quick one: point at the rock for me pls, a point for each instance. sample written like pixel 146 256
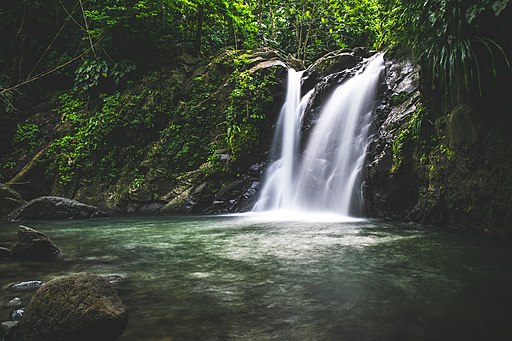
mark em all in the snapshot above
pixel 233 197
pixel 460 127
pixel 5 252
pixel 34 245
pixel 55 208
pixel 9 200
pixel 15 301
pixel 132 208
pixel 27 286
pixel 332 62
pixel 392 195
pixel 78 307
pixel 151 208
pixel 9 331
pixel 114 279
pixel 362 52
pixel 16 314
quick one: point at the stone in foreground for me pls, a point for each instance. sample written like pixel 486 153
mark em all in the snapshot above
pixel 77 307
pixel 55 208
pixel 34 245
pixel 9 330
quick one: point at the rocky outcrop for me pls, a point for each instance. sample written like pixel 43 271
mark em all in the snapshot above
pixel 160 182
pixel 332 63
pixel 208 142
pixel 431 164
pixel 34 245
pixel 9 200
pixel 55 208
pixel 391 192
pixel 325 75
pixel 79 307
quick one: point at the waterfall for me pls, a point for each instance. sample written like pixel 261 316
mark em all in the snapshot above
pixel 326 176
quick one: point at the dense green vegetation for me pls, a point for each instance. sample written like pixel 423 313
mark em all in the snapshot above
pixel 97 63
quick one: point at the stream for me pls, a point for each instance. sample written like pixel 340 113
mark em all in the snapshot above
pixel 247 278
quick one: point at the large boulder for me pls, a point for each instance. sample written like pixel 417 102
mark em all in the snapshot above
pixel 34 245
pixel 55 208
pixel 79 307
pixel 9 200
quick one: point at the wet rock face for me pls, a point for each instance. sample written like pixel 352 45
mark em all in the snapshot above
pixel 387 194
pixel 34 245
pixel 77 307
pixel 436 163
pixel 55 208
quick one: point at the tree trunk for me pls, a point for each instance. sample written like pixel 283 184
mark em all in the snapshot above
pixel 199 30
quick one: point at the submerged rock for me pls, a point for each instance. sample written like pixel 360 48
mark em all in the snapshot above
pixel 55 208
pixel 9 331
pixel 78 307
pixel 15 301
pixel 5 252
pixel 17 314
pixel 26 286
pixel 34 245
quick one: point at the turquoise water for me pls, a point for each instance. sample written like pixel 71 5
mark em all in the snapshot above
pixel 234 278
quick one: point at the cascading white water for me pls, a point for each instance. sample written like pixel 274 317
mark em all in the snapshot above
pixel 278 187
pixel 325 178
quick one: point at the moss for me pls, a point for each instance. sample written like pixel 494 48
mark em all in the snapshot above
pixel 400 98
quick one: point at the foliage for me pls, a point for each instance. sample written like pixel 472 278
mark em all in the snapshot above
pixel 118 122
pixel 94 73
pixel 27 134
pixel 448 38
pixel 246 112
pixel 411 132
pixel 71 109
pixel 309 29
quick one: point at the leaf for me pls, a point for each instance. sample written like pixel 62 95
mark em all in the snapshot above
pixel 499 6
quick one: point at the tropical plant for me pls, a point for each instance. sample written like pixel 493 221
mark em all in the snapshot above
pixel 448 39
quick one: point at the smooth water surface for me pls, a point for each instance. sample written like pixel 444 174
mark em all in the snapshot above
pixel 241 278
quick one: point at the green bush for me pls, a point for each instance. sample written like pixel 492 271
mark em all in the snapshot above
pixel 27 134
pixel 450 40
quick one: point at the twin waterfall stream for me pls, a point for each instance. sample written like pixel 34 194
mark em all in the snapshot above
pixel 326 176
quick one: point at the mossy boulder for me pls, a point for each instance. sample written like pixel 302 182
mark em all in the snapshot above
pixel 34 245
pixel 78 307
pixel 55 208
pixel 460 126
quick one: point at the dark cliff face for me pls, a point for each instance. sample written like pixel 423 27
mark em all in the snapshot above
pixel 392 193
pixel 437 166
